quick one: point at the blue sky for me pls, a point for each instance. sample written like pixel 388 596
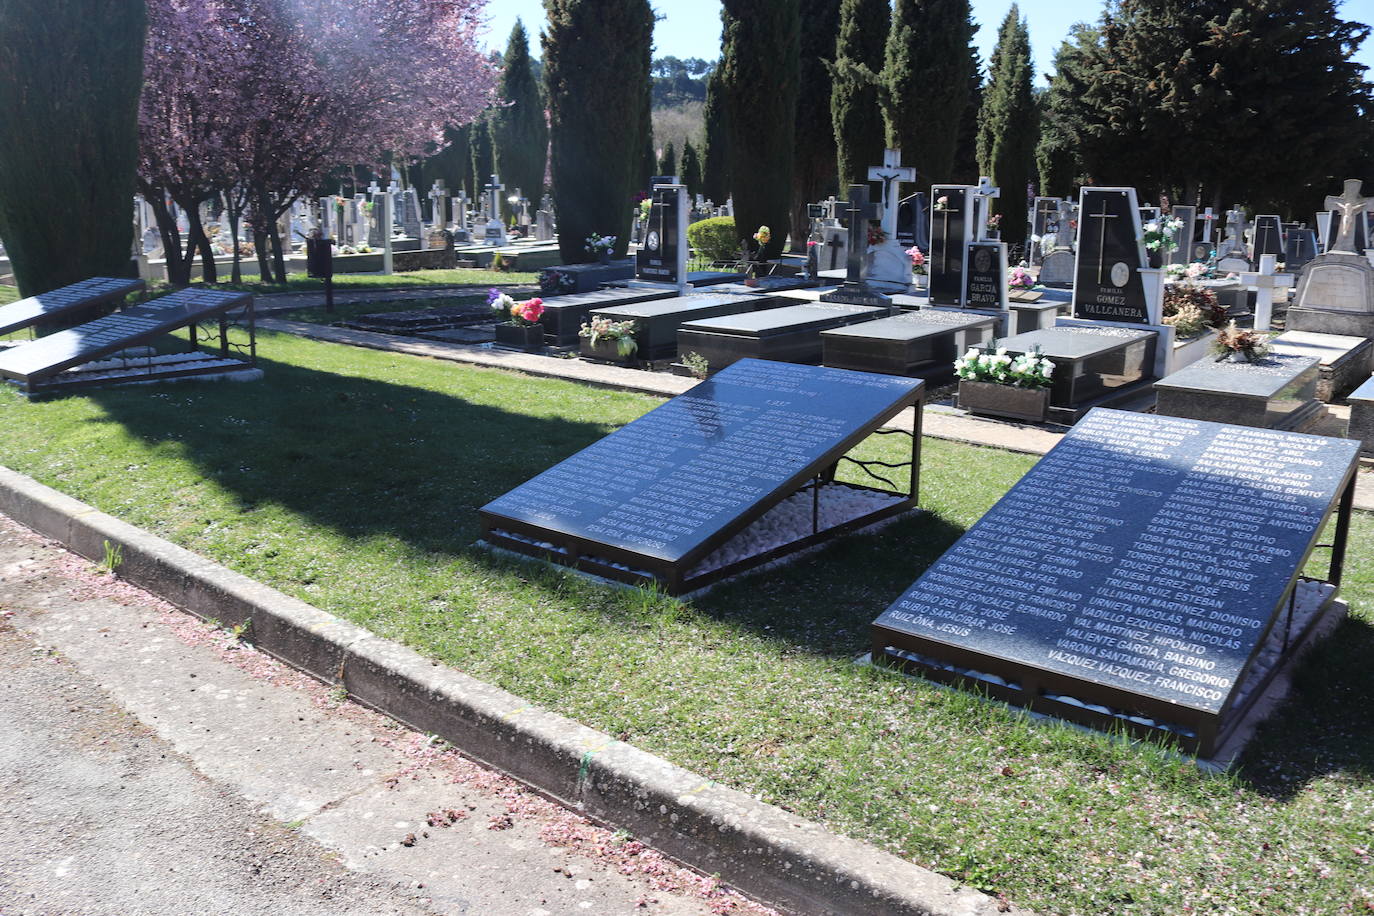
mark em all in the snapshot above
pixel 692 27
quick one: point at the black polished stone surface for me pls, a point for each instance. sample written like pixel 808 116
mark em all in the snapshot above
pixel 1089 361
pixel 948 243
pixel 672 485
pixel 1107 283
pixel 564 315
pixel 1144 555
pixel 789 334
pixel 1276 391
pixel 65 302
pixel 987 276
pixel 1268 237
pixel 923 343
pixel 104 336
pixel 658 320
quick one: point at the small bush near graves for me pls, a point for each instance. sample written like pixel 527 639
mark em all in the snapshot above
pixel 1180 295
pixel 714 239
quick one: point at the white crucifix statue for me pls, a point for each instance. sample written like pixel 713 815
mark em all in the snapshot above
pixel 982 206
pixel 438 196
pixel 494 189
pixel 1351 207
pixel 891 173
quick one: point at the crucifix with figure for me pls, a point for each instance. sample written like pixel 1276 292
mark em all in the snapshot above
pixel 891 173
pixel 1351 206
pixel 438 196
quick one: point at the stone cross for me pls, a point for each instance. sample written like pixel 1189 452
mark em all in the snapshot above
pixel 982 196
pixel 438 195
pixel 374 188
pixel 1063 236
pixel 1207 218
pixel 494 189
pixel 1265 282
pixel 891 173
pixel 1351 206
pixel 859 212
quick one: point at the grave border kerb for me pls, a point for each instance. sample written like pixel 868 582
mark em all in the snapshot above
pixel 763 850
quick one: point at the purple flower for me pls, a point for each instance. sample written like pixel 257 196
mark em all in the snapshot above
pixel 492 295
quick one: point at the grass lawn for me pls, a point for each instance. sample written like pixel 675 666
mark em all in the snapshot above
pixel 8 294
pixel 350 478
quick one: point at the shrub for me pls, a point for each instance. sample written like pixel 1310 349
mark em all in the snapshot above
pixel 714 239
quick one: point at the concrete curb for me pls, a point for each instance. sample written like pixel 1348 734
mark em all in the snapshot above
pixel 759 848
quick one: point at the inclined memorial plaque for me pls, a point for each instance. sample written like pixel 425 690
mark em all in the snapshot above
pixel 1134 572
pixel 659 495
pixel 1107 283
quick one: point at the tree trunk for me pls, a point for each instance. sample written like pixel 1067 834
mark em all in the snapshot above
pixel 197 240
pixel 178 264
pixel 278 260
pixel 235 217
pixel 260 249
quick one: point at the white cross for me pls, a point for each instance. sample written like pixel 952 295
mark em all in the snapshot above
pixel 891 173
pixel 1207 217
pixel 1265 282
pixel 981 205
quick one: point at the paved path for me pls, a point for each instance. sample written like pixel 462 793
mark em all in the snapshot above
pixel 151 764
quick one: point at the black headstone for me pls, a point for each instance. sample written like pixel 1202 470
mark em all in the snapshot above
pixel 948 243
pixel 913 221
pixel 1139 565
pixel 664 491
pixel 987 276
pixel 657 260
pixel 1300 248
pixel 1268 236
pixel 1107 282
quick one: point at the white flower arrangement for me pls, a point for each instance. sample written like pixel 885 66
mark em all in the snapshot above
pixel 1159 234
pixel 1027 370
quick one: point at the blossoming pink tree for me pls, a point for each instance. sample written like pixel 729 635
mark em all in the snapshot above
pixel 259 99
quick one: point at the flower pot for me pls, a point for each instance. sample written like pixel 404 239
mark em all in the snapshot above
pixel 993 400
pixel 993 234
pixel 921 281
pixel 604 350
pixel 1156 257
pixel 603 256
pixel 519 337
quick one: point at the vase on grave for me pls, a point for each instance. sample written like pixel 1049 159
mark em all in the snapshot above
pixel 993 235
pixel 520 337
pixel 603 256
pixel 921 281
pixel 995 400
pixel 604 350
pixel 1156 257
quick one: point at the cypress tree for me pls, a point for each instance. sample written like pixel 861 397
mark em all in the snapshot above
pixel 813 162
pixel 855 110
pixel 715 166
pixel 1009 124
pixel 596 70
pixel 483 162
pixel 648 160
pixel 966 152
pixel 925 82
pixel 519 133
pixel 668 164
pixel 760 61
pixel 454 162
pixel 691 168
pixel 70 76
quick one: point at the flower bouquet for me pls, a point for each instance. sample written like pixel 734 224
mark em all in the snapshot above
pixel 995 383
pixel 918 260
pixel 1160 234
pixel 1240 344
pixel 1020 279
pixel 603 338
pixel 600 246
pixel 519 326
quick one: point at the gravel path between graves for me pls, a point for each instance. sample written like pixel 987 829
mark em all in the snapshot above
pixel 151 763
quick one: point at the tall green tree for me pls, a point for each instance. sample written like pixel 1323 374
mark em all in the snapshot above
pixel 648 158
pixel 966 150
pixel 519 132
pixel 691 168
pixel 925 82
pixel 855 103
pixel 70 74
pixel 668 164
pixel 596 71
pixel 453 163
pixel 1009 124
pixel 813 161
pixel 760 64
pixel 715 165
pixel 483 161
pixel 1056 153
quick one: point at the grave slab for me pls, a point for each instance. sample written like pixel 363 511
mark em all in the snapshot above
pixel 658 320
pixel 922 344
pixel 1276 392
pixel 564 315
pixel 673 497
pixel 1362 416
pixel 788 334
pixel 1140 577
pixel 1091 363
pixel 1345 362
pixel 38 362
pixel 67 302
pixel 588 278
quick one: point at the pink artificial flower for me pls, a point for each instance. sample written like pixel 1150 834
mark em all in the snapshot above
pixel 918 257
pixel 531 310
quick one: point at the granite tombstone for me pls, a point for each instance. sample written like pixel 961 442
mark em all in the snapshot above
pixel 1107 281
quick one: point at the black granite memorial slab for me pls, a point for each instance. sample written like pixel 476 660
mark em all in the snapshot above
pixel 658 320
pixel 924 343
pixel 586 278
pixel 1089 362
pixel 949 237
pixel 664 498
pixel 1301 247
pixel 913 221
pixel 66 303
pixel 1107 283
pixel 1276 392
pixel 564 315
pixel 778 283
pixel 1134 578
pixel 700 278
pixel 1268 237
pixel 790 334
pixel 34 362
pixel 986 276
pixel 660 257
